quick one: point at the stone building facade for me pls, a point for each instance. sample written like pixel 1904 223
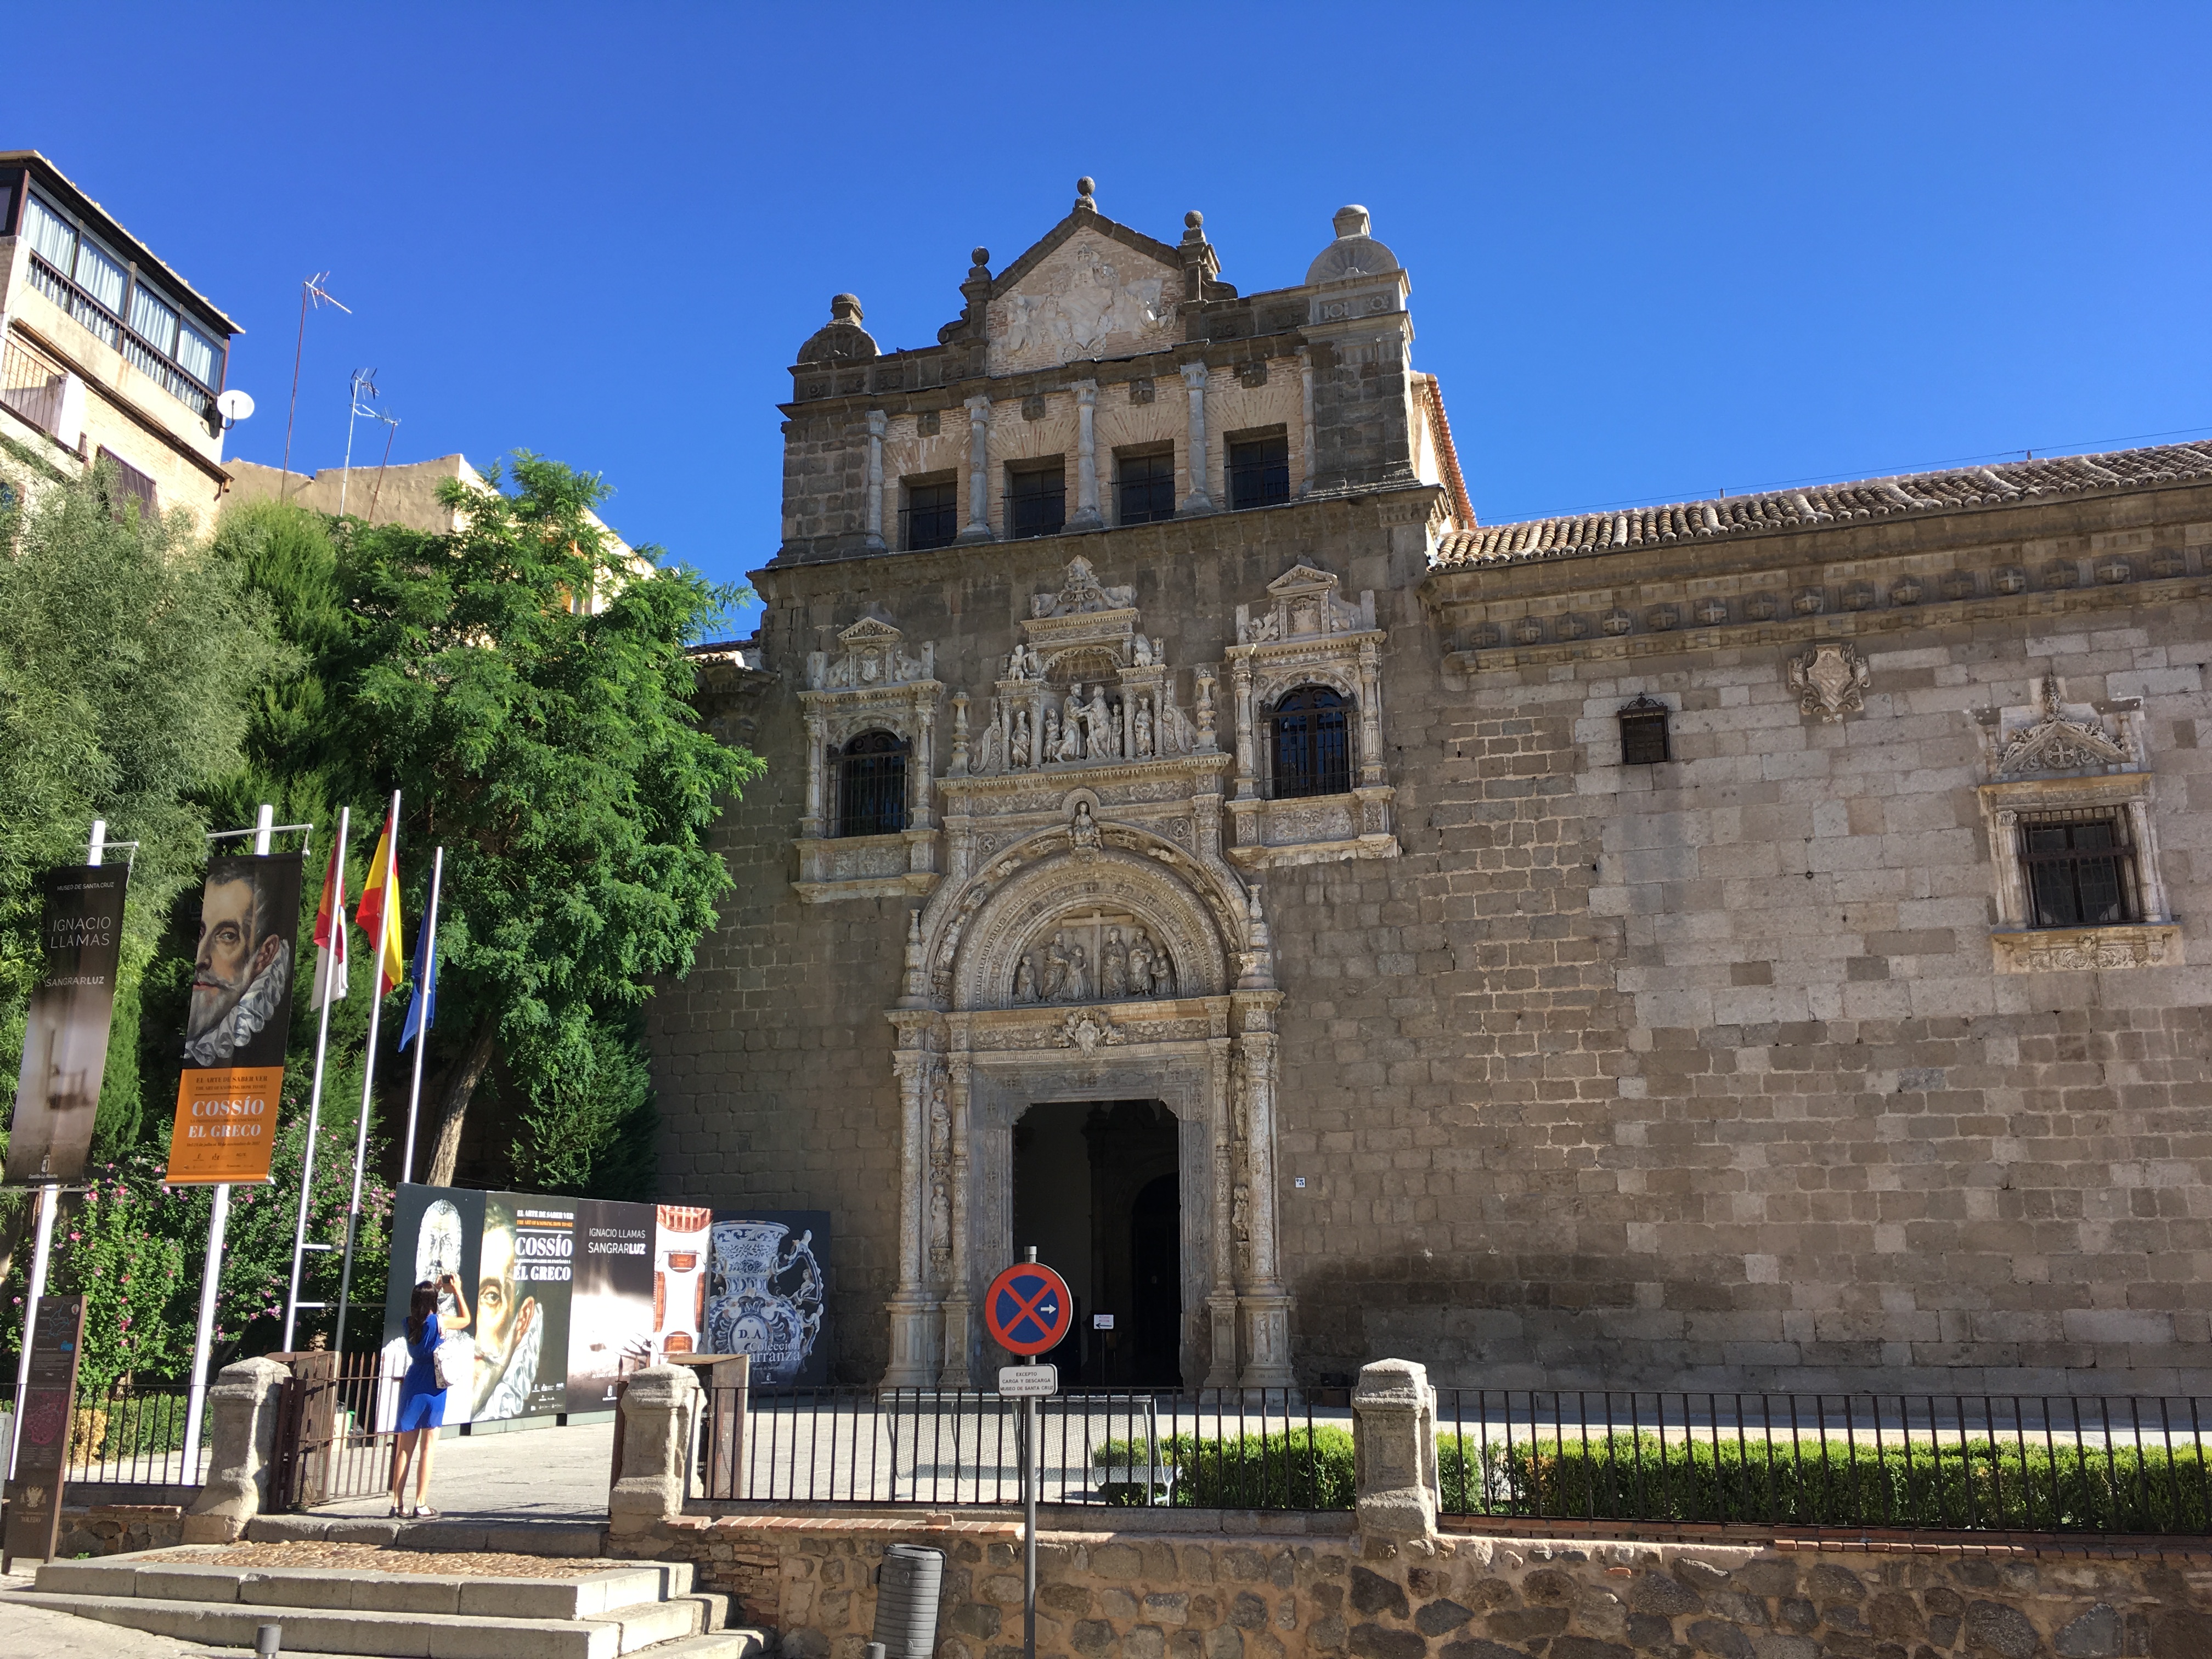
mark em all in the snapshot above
pixel 1743 944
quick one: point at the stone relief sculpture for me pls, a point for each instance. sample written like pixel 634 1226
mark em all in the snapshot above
pixel 2056 743
pixel 1830 680
pixel 1121 963
pixel 1083 296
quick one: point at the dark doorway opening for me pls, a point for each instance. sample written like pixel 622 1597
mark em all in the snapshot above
pixel 1096 1190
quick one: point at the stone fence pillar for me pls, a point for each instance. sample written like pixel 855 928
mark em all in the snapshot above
pixel 1394 1413
pixel 242 1445
pixel 658 1408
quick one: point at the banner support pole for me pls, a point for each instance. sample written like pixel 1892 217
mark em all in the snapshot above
pixel 264 825
pixel 422 1032
pixel 315 1096
pixel 50 1200
pixel 369 1068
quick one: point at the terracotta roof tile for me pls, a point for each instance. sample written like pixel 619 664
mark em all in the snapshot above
pixel 2004 485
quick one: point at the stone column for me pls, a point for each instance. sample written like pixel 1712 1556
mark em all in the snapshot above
pixel 2012 897
pixel 1199 498
pixel 979 471
pixel 876 421
pixel 1370 714
pixel 924 765
pixel 818 761
pixel 1247 756
pixel 242 1444
pixel 953 1374
pixel 909 1307
pixel 2146 841
pixel 1221 1299
pixel 1305 380
pixel 1394 1413
pixel 1265 1304
pixel 658 1408
pixel 1087 515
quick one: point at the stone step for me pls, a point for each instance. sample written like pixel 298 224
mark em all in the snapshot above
pixel 561 1538
pixel 737 1643
pixel 616 1633
pixel 352 1590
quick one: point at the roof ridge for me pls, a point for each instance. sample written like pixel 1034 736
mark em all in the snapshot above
pixel 1945 488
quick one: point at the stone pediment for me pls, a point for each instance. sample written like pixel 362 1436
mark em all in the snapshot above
pixel 1085 292
pixel 871 653
pixel 1302 603
pixel 2049 736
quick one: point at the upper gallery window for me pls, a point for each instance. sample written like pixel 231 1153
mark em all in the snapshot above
pixel 1644 733
pixel 872 785
pixel 1145 490
pixel 932 514
pixel 1036 498
pixel 1312 744
pixel 1259 471
pixel 120 307
pixel 2080 868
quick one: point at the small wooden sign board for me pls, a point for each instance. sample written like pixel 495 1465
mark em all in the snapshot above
pixel 44 1415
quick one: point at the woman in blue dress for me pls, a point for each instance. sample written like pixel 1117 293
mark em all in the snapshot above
pixel 421 1400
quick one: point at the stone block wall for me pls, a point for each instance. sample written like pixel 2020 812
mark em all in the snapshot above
pixel 1169 1595
pixel 120 1528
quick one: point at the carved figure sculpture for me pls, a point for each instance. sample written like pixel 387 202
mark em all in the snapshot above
pixel 1140 652
pixel 1162 975
pixel 1112 966
pixel 1056 964
pixel 1021 743
pixel 1075 724
pixel 1083 829
pixel 1079 975
pixel 1140 966
pixel 1069 745
pixel 1025 987
pixel 1142 745
pixel 1117 745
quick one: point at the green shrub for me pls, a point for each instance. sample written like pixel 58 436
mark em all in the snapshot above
pixel 1831 1483
pixel 1297 1468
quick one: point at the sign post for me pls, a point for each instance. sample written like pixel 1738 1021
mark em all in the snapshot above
pixel 45 1408
pixel 1028 1310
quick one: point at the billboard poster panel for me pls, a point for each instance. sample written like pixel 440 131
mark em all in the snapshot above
pixel 66 1025
pixel 679 1277
pixel 766 1280
pixel 435 1230
pixel 238 1021
pixel 610 1300
pixel 522 1287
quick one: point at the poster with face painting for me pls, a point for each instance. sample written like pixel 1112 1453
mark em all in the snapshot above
pixel 435 1231
pixel 523 1277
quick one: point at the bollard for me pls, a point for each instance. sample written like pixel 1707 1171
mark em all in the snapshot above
pixel 906 1601
pixel 268 1641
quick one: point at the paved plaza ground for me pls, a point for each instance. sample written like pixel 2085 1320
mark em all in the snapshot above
pixel 523 1474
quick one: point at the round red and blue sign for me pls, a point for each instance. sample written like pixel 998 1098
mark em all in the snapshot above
pixel 1028 1310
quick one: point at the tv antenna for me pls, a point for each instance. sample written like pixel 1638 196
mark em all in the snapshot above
pixel 312 293
pixel 361 405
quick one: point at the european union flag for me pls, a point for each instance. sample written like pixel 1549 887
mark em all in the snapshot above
pixel 422 1006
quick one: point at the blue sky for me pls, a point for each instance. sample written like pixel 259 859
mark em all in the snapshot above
pixel 1657 252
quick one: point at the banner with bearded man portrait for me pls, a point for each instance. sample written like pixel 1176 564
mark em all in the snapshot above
pixel 239 1020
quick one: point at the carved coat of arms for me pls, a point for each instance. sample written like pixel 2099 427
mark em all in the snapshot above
pixel 1830 680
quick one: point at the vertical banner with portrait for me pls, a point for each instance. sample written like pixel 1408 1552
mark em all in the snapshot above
pixel 435 1230
pixel 522 1290
pixel 238 1021
pixel 66 1025
pixel 610 1300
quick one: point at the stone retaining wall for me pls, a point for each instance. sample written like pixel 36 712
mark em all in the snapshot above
pixel 1180 1596
pixel 120 1528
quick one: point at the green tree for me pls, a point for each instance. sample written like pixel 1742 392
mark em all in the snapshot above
pixel 525 686
pixel 127 656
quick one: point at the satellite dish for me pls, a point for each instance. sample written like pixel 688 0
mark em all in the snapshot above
pixel 234 406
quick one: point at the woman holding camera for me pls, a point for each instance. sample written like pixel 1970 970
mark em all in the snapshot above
pixel 421 1394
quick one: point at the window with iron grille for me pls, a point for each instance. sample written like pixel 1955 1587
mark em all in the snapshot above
pixel 1145 489
pixel 2080 868
pixel 932 514
pixel 1259 471
pixel 1644 733
pixel 1037 499
pixel 871 785
pixel 130 484
pixel 1312 744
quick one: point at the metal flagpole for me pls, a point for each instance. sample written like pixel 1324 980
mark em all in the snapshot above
pixel 422 1031
pixel 300 1245
pixel 211 1274
pixel 368 1066
pixel 49 1196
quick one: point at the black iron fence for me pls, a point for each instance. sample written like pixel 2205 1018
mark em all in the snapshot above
pixel 1226 1448
pixel 1948 1463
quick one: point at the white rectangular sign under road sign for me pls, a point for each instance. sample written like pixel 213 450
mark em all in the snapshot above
pixel 1029 1382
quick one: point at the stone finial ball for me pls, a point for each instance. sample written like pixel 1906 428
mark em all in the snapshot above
pixel 1352 221
pixel 1086 186
pixel 845 307
pixel 1193 219
pixel 980 256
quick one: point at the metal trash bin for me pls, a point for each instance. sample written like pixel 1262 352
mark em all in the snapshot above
pixel 906 1589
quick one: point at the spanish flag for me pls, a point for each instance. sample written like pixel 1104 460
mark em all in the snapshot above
pixel 379 916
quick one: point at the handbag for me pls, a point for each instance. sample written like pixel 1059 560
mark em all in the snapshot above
pixel 449 1361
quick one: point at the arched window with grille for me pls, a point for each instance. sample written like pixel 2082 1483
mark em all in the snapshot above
pixel 1312 744
pixel 872 785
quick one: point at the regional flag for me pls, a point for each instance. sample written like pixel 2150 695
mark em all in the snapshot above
pixel 331 935
pixel 423 1006
pixel 379 916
